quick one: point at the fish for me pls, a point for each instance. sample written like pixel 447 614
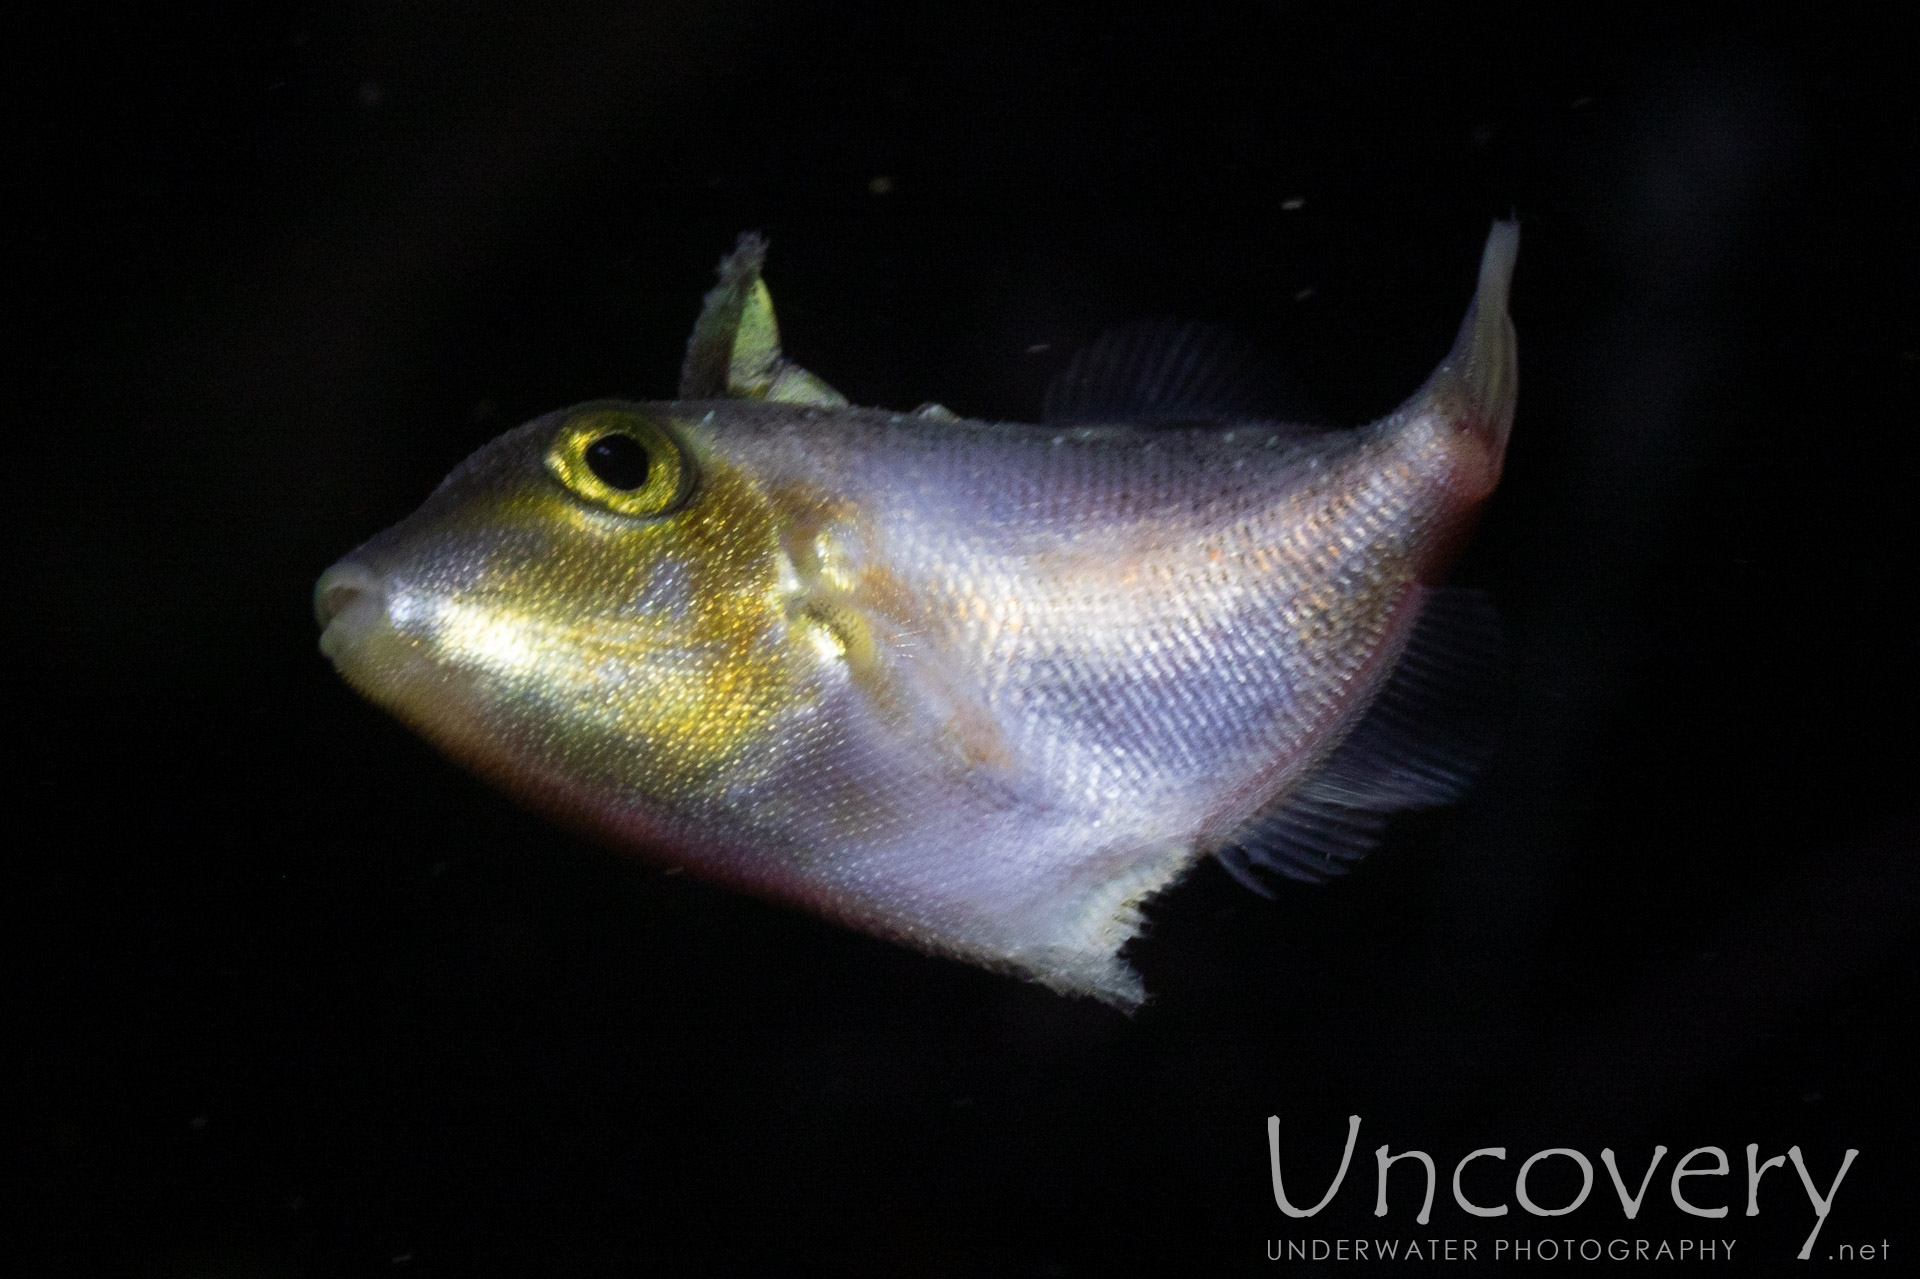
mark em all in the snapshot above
pixel 983 689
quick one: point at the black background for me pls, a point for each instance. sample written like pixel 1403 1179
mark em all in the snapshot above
pixel 295 996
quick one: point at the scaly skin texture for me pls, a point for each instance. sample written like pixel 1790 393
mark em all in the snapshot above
pixel 979 688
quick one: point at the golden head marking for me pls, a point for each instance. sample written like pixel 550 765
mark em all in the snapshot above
pixel 590 588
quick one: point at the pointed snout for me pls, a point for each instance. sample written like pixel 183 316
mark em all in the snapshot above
pixel 348 600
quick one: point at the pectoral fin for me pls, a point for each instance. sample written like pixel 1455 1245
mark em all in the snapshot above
pixel 734 353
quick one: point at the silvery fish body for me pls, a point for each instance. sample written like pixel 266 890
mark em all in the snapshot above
pixel 979 688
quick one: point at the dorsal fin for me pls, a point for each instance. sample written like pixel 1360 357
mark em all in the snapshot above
pixel 1418 746
pixel 734 353
pixel 1162 371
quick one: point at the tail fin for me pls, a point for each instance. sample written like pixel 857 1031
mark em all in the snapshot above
pixel 1476 385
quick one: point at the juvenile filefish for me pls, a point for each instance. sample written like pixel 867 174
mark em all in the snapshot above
pixel 979 688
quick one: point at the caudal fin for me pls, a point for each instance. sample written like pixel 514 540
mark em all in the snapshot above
pixel 1475 387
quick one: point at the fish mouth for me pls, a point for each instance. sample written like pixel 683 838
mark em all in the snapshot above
pixel 348 601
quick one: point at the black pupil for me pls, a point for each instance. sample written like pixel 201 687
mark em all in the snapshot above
pixel 619 460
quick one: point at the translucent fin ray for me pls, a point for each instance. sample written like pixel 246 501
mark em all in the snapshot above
pixel 1163 372
pixel 1418 746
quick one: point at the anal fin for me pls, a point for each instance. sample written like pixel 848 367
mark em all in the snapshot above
pixel 1419 745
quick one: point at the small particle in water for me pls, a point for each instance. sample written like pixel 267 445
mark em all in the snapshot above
pixel 880 185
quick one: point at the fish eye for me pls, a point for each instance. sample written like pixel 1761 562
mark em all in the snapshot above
pixel 621 459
